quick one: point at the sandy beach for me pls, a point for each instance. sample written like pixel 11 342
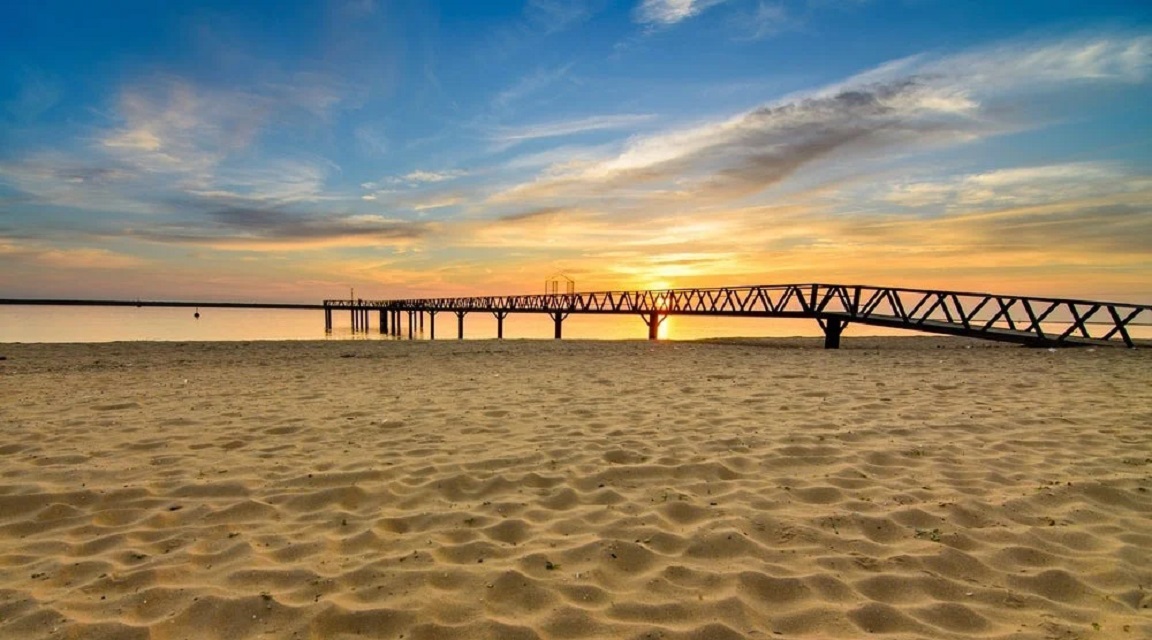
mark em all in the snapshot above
pixel 896 488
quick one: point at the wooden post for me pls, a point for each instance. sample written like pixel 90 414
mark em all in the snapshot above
pixel 460 324
pixel 431 325
pixel 327 319
pixel 411 323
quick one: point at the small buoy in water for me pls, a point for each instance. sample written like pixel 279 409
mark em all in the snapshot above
pixel 197 314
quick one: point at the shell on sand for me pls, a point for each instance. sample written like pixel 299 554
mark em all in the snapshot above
pixel 896 488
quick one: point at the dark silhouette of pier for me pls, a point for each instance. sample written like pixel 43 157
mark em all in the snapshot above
pixel 49 302
pixel 1034 321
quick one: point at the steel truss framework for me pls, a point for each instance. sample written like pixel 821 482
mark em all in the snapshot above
pixel 1020 319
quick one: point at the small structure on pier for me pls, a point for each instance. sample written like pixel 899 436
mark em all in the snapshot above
pixel 552 284
pixel 1032 321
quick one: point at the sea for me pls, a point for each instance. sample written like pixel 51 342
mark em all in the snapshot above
pixel 19 323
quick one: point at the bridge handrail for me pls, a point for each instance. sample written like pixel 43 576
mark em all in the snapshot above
pixel 648 293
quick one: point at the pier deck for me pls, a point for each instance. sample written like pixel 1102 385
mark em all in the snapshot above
pixel 1035 321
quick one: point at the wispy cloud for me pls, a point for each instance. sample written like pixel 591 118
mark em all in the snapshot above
pixel 557 15
pixel 412 179
pixel 570 127
pixel 59 179
pixel 66 258
pixel 758 149
pixel 904 107
pixel 1016 187
pixel 256 228
pixel 36 93
pixel 174 128
pixel 669 12
pixel 768 19
pixel 437 202
pixel 530 85
pixel 423 177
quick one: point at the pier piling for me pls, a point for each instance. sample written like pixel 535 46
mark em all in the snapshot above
pixel 654 320
pixel 500 315
pixel 833 327
pixel 558 318
pixel 460 324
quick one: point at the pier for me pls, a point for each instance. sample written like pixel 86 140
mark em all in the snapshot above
pixel 65 302
pixel 1033 321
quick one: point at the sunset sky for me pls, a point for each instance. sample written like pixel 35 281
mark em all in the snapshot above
pixel 290 151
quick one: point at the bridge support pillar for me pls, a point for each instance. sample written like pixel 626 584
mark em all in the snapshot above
pixel 833 327
pixel 411 324
pixel 421 321
pixel 654 320
pixel 327 319
pixel 396 323
pixel 460 324
pixel 500 315
pixel 383 322
pixel 432 325
pixel 558 318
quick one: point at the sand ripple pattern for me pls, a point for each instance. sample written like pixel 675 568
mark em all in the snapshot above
pixel 732 489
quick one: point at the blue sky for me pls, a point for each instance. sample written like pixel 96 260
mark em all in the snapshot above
pixel 291 150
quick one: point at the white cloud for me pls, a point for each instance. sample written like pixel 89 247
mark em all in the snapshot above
pixel 422 177
pixel 1018 186
pixel 411 180
pixel 438 202
pixel 570 127
pixel 668 12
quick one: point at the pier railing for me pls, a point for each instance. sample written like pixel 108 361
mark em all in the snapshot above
pixel 1023 319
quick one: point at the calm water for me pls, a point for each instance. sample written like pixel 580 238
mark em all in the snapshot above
pixel 109 324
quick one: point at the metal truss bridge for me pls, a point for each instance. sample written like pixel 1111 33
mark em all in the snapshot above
pixel 1020 319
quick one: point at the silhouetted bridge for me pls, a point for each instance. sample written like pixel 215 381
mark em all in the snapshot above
pixel 1020 319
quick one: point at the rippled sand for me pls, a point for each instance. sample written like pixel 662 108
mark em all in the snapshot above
pixel 897 488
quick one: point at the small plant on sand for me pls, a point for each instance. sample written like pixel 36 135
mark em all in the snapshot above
pixel 928 534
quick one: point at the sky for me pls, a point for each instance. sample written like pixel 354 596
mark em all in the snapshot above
pixel 297 151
